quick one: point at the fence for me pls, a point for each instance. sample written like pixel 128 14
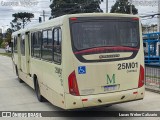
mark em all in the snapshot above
pixel 152 77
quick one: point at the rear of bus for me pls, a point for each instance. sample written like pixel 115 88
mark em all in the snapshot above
pixel 107 61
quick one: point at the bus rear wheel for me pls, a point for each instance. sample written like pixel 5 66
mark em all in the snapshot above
pixel 38 94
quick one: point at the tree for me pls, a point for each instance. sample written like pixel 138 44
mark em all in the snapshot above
pixel 1 35
pixel 8 35
pixel 1 41
pixel 20 20
pixel 123 6
pixel 62 7
pixel 9 30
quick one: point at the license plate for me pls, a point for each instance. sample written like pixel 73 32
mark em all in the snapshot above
pixel 111 87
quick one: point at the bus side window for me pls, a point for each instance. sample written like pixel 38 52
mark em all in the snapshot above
pixel 32 42
pixel 57 33
pixel 47 45
pixel 23 45
pixel 36 44
pixel 15 44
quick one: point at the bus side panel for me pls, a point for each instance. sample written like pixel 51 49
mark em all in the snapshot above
pixel 15 59
pixel 26 79
pixel 49 81
pixel 68 66
pixel 23 64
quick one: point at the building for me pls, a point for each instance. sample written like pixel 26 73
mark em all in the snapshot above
pixel 150 29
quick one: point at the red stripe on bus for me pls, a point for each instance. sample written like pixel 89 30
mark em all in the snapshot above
pixel 84 100
pixel 107 48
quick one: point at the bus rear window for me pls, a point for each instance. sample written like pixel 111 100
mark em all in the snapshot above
pixel 104 33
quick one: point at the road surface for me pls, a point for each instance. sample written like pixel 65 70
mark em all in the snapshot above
pixel 2 50
pixel 20 97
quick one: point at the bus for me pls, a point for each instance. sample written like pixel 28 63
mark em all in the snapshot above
pixel 82 60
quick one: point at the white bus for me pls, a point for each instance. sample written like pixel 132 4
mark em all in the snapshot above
pixel 82 60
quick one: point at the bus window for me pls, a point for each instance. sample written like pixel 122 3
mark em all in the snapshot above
pixel 23 45
pixel 96 37
pixel 57 45
pixel 32 41
pixel 96 34
pixel 15 44
pixel 47 45
pixel 36 43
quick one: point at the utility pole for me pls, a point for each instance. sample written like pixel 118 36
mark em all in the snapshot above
pixel 131 7
pixel 43 15
pixel 106 6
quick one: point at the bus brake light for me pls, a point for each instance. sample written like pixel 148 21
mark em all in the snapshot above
pixel 73 86
pixel 136 19
pixel 73 18
pixel 141 77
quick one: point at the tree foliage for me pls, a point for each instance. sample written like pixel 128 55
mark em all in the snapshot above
pixel 1 41
pixel 62 7
pixel 123 6
pixel 20 20
pixel 6 39
pixel 1 35
pixel 8 35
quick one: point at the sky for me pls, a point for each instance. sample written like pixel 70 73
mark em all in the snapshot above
pixel 9 7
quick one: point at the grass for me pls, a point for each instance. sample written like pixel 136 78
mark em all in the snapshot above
pixel 6 54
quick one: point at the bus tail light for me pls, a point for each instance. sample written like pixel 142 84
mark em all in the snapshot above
pixel 141 77
pixel 136 19
pixel 73 18
pixel 73 86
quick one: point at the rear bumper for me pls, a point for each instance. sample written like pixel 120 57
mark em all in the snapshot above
pixel 74 102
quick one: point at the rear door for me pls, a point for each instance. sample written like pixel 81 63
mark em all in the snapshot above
pixel 23 53
pixel 28 53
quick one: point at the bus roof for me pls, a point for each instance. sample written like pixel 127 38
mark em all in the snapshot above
pixel 59 20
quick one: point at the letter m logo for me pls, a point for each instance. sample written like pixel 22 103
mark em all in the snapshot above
pixel 111 80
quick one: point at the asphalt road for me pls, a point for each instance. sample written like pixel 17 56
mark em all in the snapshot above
pixel 15 96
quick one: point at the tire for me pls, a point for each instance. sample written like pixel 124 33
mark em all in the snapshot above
pixel 38 94
pixel 19 79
